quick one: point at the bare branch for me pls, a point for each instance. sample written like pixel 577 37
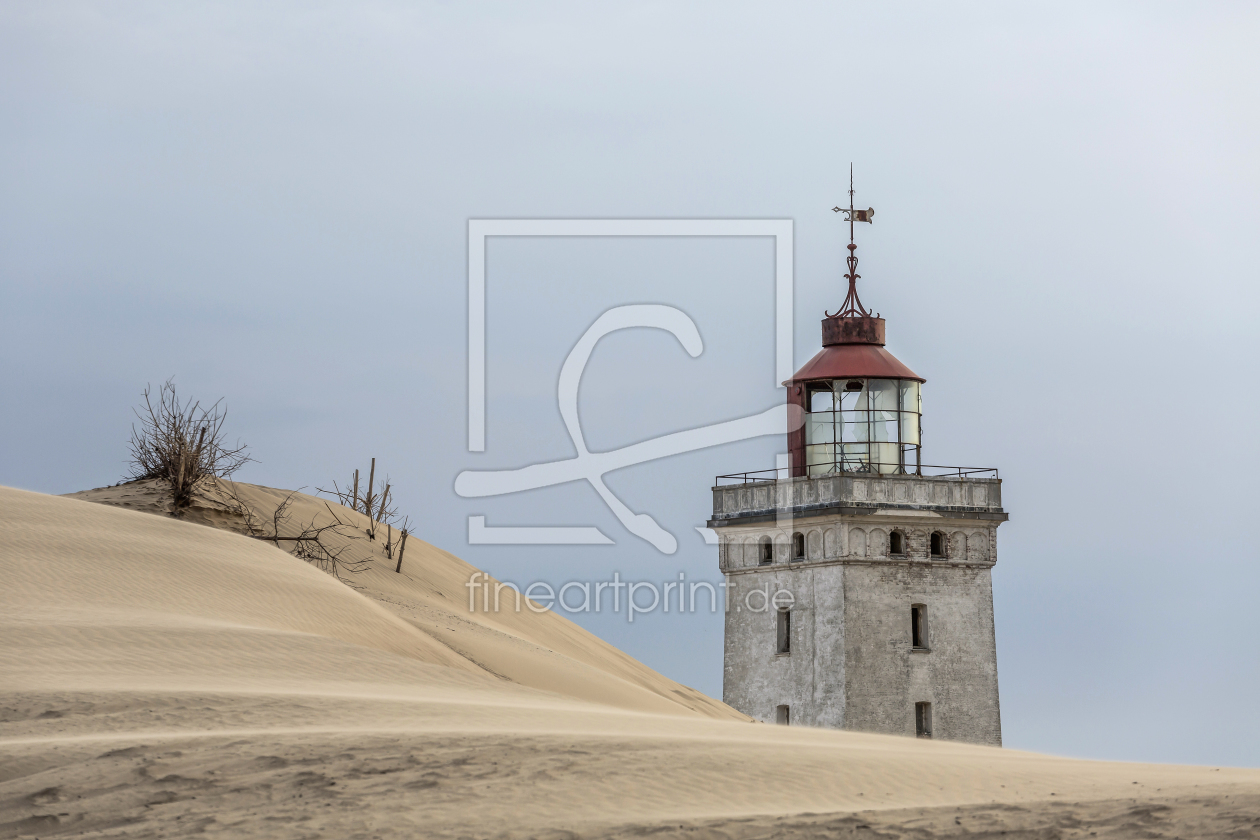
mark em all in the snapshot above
pixel 313 543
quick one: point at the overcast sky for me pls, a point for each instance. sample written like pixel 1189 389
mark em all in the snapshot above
pixel 270 203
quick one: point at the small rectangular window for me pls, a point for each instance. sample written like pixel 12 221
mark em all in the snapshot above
pixel 784 635
pixel 918 627
pixel 923 720
pixel 782 715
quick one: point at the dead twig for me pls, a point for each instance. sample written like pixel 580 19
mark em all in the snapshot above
pixel 312 542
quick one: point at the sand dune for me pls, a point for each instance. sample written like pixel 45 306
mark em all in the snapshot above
pixel 536 649
pixel 161 678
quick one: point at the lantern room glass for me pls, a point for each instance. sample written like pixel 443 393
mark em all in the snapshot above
pixel 863 425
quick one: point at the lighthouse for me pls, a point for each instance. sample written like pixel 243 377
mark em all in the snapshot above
pixel 859 577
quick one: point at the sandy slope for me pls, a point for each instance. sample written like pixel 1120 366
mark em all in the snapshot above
pixel 160 678
pixel 537 649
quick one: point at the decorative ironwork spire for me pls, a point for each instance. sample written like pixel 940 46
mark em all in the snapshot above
pixel 852 307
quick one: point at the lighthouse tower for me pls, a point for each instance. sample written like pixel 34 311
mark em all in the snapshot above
pixel 858 577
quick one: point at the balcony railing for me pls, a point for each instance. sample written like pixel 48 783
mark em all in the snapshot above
pixel 775 492
pixel 875 470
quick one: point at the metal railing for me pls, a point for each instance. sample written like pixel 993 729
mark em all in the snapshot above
pixel 870 469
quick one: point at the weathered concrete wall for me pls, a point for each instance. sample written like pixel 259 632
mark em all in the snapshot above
pixel 810 679
pixel 957 674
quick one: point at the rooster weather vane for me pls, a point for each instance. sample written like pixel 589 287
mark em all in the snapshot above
pixel 852 307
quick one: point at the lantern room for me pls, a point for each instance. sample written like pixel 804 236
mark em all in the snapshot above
pixel 862 406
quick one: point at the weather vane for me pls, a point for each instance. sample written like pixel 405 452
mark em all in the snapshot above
pixel 852 307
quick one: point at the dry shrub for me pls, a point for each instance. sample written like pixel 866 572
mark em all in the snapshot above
pixel 182 444
pixel 376 507
pixel 370 502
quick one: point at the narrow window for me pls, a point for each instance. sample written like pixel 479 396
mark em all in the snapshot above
pixel 896 543
pixel 922 720
pixel 782 715
pixel 783 638
pixel 798 546
pixel 938 545
pixel 767 552
pixel 918 627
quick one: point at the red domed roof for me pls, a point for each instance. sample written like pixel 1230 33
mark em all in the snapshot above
pixel 853 348
pixel 854 361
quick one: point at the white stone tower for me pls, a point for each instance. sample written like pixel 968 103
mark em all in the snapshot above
pixel 859 579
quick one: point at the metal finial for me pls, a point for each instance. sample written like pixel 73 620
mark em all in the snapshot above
pixel 852 307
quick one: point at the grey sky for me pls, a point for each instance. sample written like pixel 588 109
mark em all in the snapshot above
pixel 271 205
